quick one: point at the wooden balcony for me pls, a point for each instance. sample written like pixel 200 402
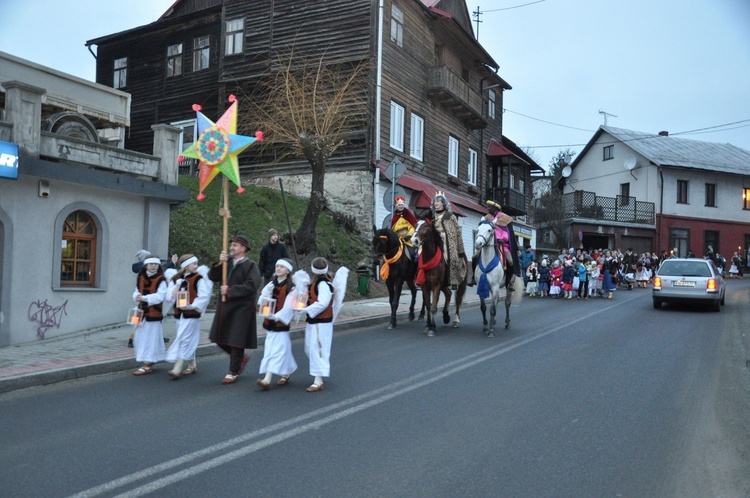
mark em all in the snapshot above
pixel 450 91
pixel 512 201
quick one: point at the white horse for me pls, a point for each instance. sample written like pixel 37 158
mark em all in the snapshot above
pixel 490 276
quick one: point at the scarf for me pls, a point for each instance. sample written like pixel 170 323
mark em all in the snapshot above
pixel 483 289
pixel 385 270
pixel 432 263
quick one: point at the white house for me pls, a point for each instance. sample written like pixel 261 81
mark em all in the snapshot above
pixel 73 210
pixel 700 193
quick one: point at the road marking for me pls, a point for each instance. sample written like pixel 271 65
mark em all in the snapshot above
pixel 341 410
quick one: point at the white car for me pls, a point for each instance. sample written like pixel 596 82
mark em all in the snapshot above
pixel 689 280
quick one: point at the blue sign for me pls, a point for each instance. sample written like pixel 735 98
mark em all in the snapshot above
pixel 8 160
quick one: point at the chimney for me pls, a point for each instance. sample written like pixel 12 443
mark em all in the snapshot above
pixel 663 133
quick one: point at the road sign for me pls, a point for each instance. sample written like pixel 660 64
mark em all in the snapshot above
pixel 396 169
pixel 390 194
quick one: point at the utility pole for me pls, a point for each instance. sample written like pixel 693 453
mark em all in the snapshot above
pixel 476 14
pixel 605 114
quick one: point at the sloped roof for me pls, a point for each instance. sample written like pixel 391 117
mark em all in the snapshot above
pixel 670 151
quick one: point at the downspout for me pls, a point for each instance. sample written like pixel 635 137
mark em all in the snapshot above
pixel 378 98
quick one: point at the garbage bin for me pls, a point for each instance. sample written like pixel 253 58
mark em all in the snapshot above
pixel 363 281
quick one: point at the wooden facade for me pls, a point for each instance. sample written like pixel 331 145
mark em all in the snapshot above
pixel 436 71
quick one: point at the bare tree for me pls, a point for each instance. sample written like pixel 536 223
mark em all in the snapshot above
pixel 550 211
pixel 308 108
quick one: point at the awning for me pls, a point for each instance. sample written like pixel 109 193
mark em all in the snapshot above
pixel 428 190
pixel 496 149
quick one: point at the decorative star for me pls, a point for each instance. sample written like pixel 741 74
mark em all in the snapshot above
pixel 217 147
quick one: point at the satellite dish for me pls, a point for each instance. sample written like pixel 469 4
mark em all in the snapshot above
pixel 566 171
pixel 630 162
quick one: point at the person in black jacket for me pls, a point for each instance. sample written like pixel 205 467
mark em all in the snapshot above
pixel 273 251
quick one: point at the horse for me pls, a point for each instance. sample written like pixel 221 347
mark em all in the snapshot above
pixel 490 276
pixel 434 269
pixel 390 251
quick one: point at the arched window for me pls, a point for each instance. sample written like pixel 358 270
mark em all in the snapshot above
pixel 78 257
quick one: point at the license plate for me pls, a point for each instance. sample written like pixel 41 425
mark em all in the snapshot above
pixel 684 283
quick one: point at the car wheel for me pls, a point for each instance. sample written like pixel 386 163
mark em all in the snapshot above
pixel 716 306
pixel 657 304
pixel 722 299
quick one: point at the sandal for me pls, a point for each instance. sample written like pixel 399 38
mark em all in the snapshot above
pixel 230 379
pixel 263 384
pixel 315 388
pixel 143 371
pixel 189 370
pixel 284 380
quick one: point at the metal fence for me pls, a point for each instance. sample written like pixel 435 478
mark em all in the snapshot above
pixel 582 204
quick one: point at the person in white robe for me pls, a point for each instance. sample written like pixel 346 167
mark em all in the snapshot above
pixel 149 294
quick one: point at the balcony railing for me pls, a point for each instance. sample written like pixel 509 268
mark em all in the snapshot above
pixel 512 201
pixel 588 205
pixel 457 95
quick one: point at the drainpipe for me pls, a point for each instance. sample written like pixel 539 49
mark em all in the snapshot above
pixel 378 98
pixel 661 206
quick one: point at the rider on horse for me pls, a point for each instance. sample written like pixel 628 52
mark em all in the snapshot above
pixel 404 223
pixel 507 245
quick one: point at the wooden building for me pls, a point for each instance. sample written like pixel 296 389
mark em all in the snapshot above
pixel 434 98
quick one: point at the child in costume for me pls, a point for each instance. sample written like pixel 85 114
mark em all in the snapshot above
pixel 277 350
pixel 195 281
pixel 150 291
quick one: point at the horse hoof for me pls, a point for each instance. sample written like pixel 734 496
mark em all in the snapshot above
pixel 391 326
pixel 446 318
pixel 426 330
pixel 507 326
pixel 491 334
pixel 456 324
pixel 430 333
pixel 421 318
pixel 411 316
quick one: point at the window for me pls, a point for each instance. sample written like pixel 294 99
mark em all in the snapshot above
pixel 397 127
pixel 679 241
pixel 711 195
pixel 712 240
pixel 516 183
pixel 121 73
pixel 624 194
pixel 174 60
pixel 416 142
pixel 78 258
pixel 746 198
pixel 397 26
pixel 234 40
pixel 491 104
pixel 682 191
pixel 187 166
pixel 472 179
pixel 453 145
pixel 609 152
pixel 201 52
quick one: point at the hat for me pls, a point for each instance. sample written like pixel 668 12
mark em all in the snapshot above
pixel 241 240
pixel 151 260
pixel 186 260
pixel 272 232
pixel 285 262
pixel 400 200
pixel 493 204
pixel 319 266
pixel 571 250
pixel 142 255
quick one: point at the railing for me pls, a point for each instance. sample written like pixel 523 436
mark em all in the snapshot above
pixel 443 80
pixel 512 201
pixel 588 205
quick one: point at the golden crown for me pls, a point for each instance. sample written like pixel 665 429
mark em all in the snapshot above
pixel 440 193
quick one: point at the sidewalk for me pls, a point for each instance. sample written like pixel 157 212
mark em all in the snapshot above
pixel 105 350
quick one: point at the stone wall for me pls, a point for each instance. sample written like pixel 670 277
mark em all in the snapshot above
pixel 348 192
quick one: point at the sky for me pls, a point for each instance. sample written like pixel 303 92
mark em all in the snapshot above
pixel 651 65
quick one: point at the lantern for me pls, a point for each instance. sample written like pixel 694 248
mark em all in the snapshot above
pixel 299 300
pixel 267 306
pixel 135 316
pixel 183 298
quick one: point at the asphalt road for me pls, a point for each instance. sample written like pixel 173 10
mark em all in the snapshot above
pixel 589 398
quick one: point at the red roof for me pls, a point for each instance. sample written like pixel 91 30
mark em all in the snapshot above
pixel 497 150
pixel 428 190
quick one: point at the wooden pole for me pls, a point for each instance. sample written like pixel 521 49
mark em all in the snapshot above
pixel 289 223
pixel 225 215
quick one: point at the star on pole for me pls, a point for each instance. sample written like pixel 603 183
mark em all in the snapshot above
pixel 217 147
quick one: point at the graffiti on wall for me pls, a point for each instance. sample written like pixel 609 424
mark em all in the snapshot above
pixel 46 316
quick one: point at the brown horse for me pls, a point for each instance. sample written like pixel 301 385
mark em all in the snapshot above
pixel 433 276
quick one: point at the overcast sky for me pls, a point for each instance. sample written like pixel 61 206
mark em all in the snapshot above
pixel 653 65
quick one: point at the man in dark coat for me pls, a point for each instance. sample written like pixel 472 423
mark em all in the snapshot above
pixel 273 251
pixel 234 325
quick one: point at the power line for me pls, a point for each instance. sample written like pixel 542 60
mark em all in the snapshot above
pixel 514 7
pixel 548 122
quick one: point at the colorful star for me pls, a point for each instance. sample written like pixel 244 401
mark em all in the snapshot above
pixel 217 147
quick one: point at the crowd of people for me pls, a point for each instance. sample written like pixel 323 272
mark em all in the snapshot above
pixel 243 294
